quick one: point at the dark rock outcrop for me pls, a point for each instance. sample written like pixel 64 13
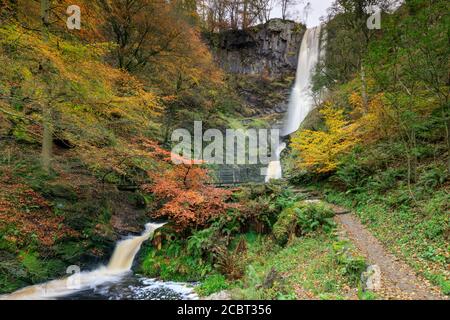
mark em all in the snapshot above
pixel 268 49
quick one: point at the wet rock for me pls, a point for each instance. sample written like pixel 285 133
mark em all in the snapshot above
pixel 281 108
pixel 59 191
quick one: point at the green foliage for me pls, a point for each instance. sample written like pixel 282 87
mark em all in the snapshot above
pixel 302 218
pixel 367 295
pixel 350 266
pixel 303 270
pixel 433 177
pixel 70 251
pixel 201 242
pixel 262 204
pixel 26 269
pixel 352 173
pixel 174 263
pixel 212 284
pixel 385 180
pixel 314 216
pixel 219 246
pixel 33 266
pixel 285 226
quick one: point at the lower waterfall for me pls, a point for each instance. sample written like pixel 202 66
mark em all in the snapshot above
pixel 118 267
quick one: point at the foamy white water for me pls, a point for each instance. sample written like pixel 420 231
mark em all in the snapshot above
pixel 301 101
pixel 119 266
pixel 274 169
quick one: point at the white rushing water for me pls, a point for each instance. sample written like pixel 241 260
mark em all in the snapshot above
pixel 118 267
pixel 301 101
pixel 274 169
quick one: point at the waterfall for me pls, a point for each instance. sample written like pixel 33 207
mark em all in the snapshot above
pixel 301 100
pixel 118 266
pixel 274 169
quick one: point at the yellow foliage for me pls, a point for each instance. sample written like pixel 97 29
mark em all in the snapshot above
pixel 94 105
pixel 372 123
pixel 319 151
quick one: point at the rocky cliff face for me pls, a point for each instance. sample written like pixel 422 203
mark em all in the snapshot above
pixel 269 49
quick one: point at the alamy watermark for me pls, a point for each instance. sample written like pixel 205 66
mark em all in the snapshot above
pixel 236 146
pixel 73 282
pixel 374 21
pixel 74 20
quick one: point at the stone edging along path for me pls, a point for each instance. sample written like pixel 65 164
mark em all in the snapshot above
pixel 399 281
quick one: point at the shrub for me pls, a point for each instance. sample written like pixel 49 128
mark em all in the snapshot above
pixel 285 226
pixel 261 205
pixel 174 263
pixel 434 177
pixel 351 172
pixel 351 266
pixel 183 191
pixel 314 216
pixel 230 263
pixel 303 218
pixel 386 179
pixel 201 242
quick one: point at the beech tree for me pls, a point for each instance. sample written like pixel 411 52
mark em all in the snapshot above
pixel 234 14
pixel 349 38
pixel 183 191
pixel 47 138
pixel 286 5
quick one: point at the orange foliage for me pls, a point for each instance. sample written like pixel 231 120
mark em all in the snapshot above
pixel 29 213
pixel 183 192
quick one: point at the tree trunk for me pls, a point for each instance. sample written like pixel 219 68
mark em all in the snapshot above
pixel 447 131
pixel 47 139
pixel 245 15
pixel 364 89
pixel 414 158
pixel 46 154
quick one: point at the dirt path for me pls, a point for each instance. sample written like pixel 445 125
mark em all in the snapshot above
pixel 398 280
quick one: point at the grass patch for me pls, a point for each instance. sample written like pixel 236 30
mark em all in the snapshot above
pixel 212 284
pixel 307 268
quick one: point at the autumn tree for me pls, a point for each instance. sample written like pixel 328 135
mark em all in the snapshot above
pixel 264 9
pixel 319 151
pixel 348 38
pixel 184 193
pixel 220 15
pixel 410 66
pixel 286 5
pixel 137 30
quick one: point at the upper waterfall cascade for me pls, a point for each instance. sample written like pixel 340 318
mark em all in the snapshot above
pixel 301 100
